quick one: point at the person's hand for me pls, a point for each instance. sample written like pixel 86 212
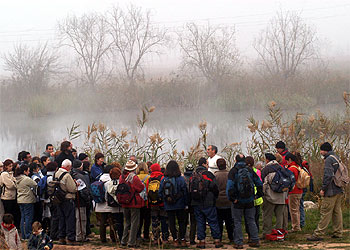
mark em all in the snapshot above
pixel 235 201
pixel 322 193
pixel 46 247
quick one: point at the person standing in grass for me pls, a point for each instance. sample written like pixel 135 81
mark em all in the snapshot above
pixel 332 196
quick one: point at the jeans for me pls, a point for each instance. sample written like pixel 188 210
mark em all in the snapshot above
pixel 180 214
pixel 204 214
pixel 224 214
pixel 257 216
pixel 249 217
pixel 66 214
pixel 27 213
pixel 302 210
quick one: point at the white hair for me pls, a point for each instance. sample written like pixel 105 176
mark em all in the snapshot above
pixel 66 163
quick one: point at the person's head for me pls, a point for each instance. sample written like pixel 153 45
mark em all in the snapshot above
pixel 67 164
pixel 202 162
pixel 249 161
pixel 66 146
pixel 99 159
pixel 240 158
pixel 133 158
pixel 22 170
pixel 130 166
pixel 298 157
pixel 259 165
pixel 86 166
pixel 8 219
pixel 291 158
pixel 155 168
pixel 114 173
pixel 107 169
pixel 279 157
pixel 189 167
pixel 21 155
pixel 25 156
pixel 269 157
pixel 52 166
pixel 77 164
pixel 36 159
pixel 74 153
pixel 34 168
pixel 37 228
pixel 280 146
pixel 49 148
pixel 172 169
pixel 83 157
pixel 325 148
pixel 8 164
pixel 149 164
pixel 45 160
pixel 142 168
pixel 116 164
pixel 212 151
pixel 221 163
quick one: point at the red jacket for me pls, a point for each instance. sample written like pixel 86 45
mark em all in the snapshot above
pixel 292 167
pixel 155 173
pixel 137 187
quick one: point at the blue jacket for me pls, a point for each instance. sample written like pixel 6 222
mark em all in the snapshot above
pixel 181 189
pixel 96 172
pixel 232 187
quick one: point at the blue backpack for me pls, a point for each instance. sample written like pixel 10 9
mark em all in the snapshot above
pixel 42 188
pixel 245 184
pixel 98 191
pixel 283 181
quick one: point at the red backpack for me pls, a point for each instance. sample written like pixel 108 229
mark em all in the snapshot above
pixel 276 235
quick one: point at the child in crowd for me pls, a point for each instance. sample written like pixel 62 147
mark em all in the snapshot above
pixel 39 240
pixel 10 233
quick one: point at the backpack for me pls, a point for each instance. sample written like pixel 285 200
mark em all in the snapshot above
pixel 98 191
pixel 111 202
pixel 276 235
pixel 245 184
pixel 143 193
pixel 198 187
pixel 170 195
pixel 124 192
pixel 54 191
pixel 303 178
pixel 283 181
pixel 153 190
pixel 341 176
pixel 42 188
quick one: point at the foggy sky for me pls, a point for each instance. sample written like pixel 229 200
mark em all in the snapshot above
pixel 35 21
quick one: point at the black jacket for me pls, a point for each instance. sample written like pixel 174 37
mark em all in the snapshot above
pixel 84 194
pixel 62 156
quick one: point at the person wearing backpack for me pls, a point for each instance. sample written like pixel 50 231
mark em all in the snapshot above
pixel 128 195
pixel 204 192
pixel 54 218
pixel 145 212
pixel 173 191
pixel 223 204
pixel 274 202
pixel 82 200
pixel 331 194
pixel 158 214
pixel 66 207
pixel 35 175
pixel 241 192
pixel 294 195
pixel 189 168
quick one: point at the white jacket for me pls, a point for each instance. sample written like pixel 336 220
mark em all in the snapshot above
pixel 12 238
pixel 103 207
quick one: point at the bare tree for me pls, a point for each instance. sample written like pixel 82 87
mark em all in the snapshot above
pixel 134 37
pixel 88 37
pixel 285 45
pixel 210 50
pixel 32 66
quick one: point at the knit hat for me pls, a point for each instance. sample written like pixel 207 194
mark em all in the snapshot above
pixel 77 163
pixel 189 167
pixel 155 167
pixel 82 156
pixel 130 166
pixel 326 147
pixel 280 145
pixel 270 157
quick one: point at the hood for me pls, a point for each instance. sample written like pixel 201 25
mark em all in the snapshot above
pixel 155 167
pixel 11 227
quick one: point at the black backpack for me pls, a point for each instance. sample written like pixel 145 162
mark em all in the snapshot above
pixel 198 186
pixel 56 194
pixel 245 183
pixel 170 194
pixel 124 192
pixel 283 181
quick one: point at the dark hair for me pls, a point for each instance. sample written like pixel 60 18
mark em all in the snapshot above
pixel 281 145
pixel 249 161
pixel 74 150
pixel 48 145
pixel 270 157
pixel 8 219
pixel 20 170
pixel 215 148
pixel 221 163
pixel 65 145
pixel 326 147
pixel 202 161
pixel 107 168
pixel 86 166
pixel 32 166
pixel 82 156
pixel 172 169
pixel 240 157
pixel 98 156
pixel 52 166
pixel 20 155
pixel 290 156
pixel 36 158
pixel 299 160
pixel 43 159
pixel 7 163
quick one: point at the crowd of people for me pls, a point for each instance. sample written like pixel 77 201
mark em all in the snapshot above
pixel 53 198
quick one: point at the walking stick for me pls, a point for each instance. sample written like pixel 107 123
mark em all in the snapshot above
pixel 81 227
pixel 110 220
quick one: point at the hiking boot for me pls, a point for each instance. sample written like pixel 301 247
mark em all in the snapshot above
pixel 201 244
pixel 254 244
pixel 62 242
pixel 236 246
pixel 183 243
pixel 314 238
pixel 218 244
